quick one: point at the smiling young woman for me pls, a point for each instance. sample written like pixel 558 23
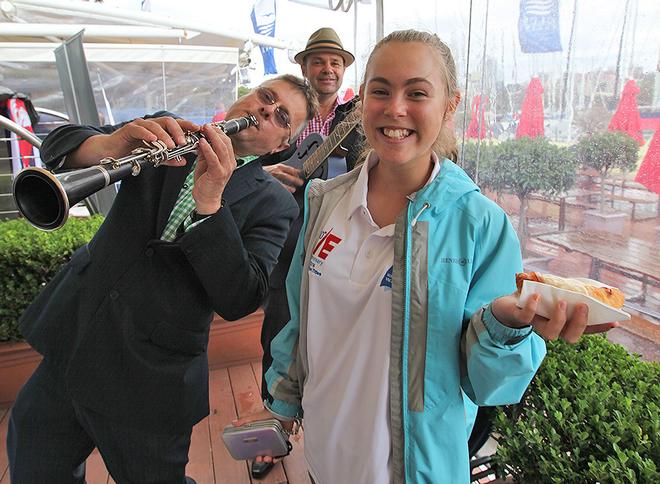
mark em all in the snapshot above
pixel 405 107
pixel 400 317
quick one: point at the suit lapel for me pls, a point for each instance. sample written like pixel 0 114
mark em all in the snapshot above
pixel 243 182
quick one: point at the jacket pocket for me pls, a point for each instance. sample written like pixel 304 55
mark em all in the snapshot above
pixel 178 340
pixel 441 356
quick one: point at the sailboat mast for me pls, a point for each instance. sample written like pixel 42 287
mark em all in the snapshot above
pixel 480 110
pixel 568 61
pixel 615 94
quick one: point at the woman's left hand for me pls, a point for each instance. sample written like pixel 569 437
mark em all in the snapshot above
pixel 558 326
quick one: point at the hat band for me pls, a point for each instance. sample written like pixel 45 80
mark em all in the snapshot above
pixel 324 44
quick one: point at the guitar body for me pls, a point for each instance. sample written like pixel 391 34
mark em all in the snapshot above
pixel 308 146
pixel 334 165
pixel 314 157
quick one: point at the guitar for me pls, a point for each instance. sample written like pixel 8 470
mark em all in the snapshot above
pixel 311 156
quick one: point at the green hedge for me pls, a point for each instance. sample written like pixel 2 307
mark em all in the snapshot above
pixel 29 258
pixel 591 414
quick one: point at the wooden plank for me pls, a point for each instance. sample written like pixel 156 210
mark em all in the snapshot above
pixel 4 460
pixel 95 470
pixel 245 389
pixel 248 400
pixel 630 254
pixel 223 411
pixel 294 465
pixel 256 369
pixel 200 465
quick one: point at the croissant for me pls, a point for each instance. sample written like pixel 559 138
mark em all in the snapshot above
pixel 608 295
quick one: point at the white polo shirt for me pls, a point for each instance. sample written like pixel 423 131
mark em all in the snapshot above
pixel 346 397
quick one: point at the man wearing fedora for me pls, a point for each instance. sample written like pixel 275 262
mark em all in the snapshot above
pixel 323 63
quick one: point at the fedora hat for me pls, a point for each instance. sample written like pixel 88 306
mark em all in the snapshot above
pixel 325 40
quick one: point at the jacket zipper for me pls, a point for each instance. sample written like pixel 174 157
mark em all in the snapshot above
pixel 404 352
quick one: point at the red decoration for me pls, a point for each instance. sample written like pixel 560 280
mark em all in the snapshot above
pixel 626 117
pixel 531 113
pixel 649 171
pixel 475 130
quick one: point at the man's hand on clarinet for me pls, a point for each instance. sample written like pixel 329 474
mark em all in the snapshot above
pixel 131 136
pixel 215 165
pixel 166 129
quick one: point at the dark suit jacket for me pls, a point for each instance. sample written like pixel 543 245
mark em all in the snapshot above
pixel 126 322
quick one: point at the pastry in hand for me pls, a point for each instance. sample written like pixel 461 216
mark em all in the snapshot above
pixel 609 295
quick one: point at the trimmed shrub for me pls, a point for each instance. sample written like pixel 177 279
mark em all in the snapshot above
pixel 526 166
pixel 589 415
pixel 607 151
pixel 469 161
pixel 29 258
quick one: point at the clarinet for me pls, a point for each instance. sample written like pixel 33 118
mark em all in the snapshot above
pixel 156 152
pixel 44 198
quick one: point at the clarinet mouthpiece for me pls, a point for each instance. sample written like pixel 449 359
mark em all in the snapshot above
pixel 233 126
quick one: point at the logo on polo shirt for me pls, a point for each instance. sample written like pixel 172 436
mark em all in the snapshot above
pixel 386 281
pixel 327 242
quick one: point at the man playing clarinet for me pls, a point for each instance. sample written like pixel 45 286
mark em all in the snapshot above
pixel 124 326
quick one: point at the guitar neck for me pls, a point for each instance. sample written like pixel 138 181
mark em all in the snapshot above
pixel 341 131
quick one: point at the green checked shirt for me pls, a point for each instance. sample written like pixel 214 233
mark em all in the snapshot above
pixel 185 204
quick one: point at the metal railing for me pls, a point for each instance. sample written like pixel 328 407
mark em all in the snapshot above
pixel 7 206
pixel 19 130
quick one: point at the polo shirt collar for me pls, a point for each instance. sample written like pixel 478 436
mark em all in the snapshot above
pixel 358 197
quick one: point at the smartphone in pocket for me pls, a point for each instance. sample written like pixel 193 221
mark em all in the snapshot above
pixel 264 437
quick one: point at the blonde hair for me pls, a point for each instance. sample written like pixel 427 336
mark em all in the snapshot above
pixel 445 144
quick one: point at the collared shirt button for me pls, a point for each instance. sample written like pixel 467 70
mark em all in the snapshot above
pixel 149 252
pixel 114 294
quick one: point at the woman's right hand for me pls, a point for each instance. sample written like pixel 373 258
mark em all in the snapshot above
pixel 258 416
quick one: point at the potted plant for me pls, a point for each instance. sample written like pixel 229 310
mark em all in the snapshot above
pixel 589 415
pixel 529 165
pixel 604 152
pixel 29 258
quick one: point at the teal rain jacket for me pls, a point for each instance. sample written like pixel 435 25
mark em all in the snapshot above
pixel 454 252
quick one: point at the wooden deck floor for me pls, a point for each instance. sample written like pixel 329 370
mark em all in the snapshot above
pixel 234 391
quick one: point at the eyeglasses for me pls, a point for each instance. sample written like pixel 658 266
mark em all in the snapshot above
pixel 282 118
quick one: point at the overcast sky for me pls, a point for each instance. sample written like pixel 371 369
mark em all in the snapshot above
pixel 595 47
